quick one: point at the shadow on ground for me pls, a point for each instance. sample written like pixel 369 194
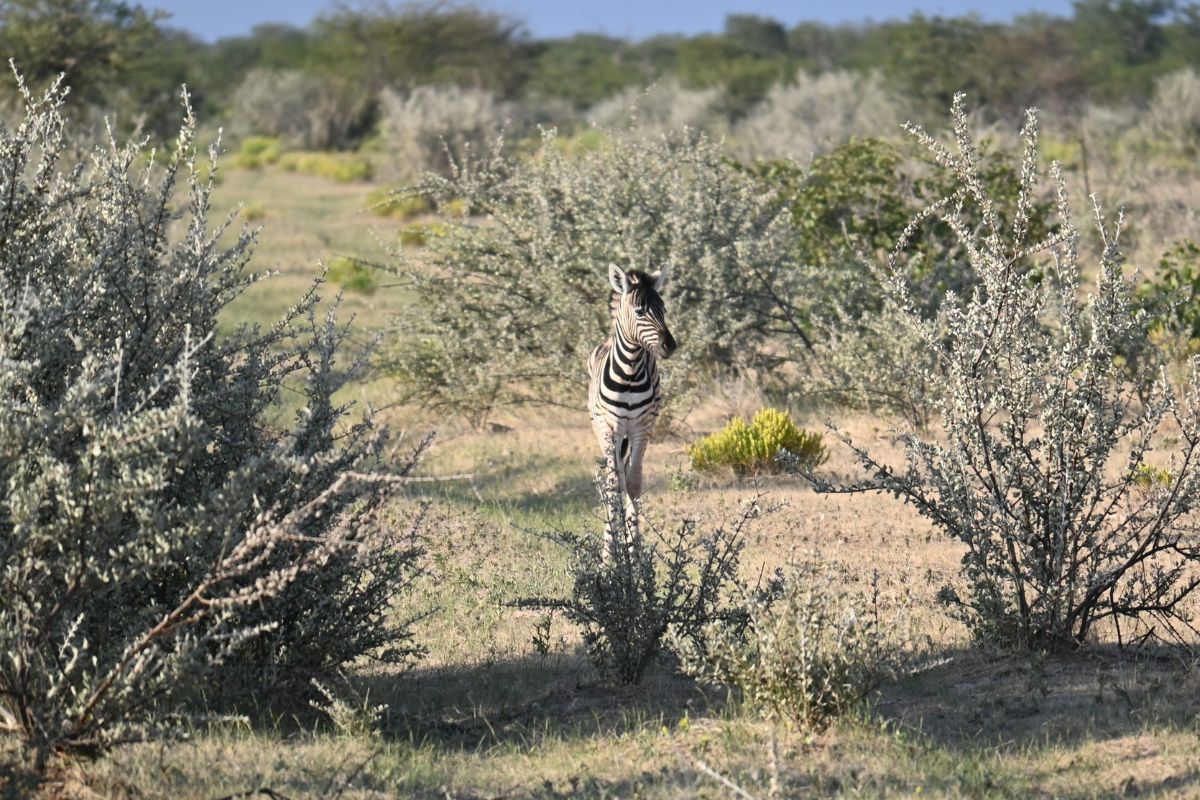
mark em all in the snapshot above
pixel 526 700
pixel 524 488
pixel 971 698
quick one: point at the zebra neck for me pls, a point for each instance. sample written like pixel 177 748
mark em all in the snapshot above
pixel 629 357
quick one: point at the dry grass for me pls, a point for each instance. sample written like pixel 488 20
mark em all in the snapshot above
pixel 489 714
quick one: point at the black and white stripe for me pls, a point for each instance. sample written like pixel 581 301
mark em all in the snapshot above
pixel 624 396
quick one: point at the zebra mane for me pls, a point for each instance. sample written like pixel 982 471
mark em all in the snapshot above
pixel 641 286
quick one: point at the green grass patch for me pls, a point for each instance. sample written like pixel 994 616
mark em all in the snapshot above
pixel 252 212
pixel 353 275
pixel 340 167
pixel 387 203
pixel 257 152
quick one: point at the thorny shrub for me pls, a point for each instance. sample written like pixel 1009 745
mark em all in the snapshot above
pixel 514 296
pixel 662 107
pixel 629 590
pixel 808 652
pixel 815 114
pixel 1036 469
pixel 307 111
pixel 165 548
pixel 429 127
pixel 848 209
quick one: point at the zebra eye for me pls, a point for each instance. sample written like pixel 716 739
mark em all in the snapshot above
pixel 639 312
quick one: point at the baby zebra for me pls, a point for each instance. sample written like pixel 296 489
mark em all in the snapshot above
pixel 623 395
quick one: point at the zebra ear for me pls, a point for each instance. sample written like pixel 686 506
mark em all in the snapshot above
pixel 660 277
pixel 616 276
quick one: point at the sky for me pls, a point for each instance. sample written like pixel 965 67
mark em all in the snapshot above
pixel 633 19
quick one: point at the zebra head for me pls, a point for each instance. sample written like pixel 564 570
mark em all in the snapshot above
pixel 638 311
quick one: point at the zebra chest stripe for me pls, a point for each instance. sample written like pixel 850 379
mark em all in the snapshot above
pixel 613 386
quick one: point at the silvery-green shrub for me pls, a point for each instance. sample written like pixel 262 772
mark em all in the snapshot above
pixel 513 297
pixel 806 652
pixel 1171 121
pixel 638 590
pixel 661 107
pixel 1038 467
pixel 816 113
pixel 170 542
pixel 427 128
pixel 304 110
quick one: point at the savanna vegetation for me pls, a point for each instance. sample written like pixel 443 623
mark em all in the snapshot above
pixel 300 495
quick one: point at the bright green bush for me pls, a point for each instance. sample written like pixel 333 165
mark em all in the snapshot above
pixel 340 167
pixel 753 448
pixel 352 275
pixel 257 152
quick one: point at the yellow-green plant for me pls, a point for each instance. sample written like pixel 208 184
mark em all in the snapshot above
pixel 387 203
pixel 353 275
pixel 419 235
pixel 257 152
pixel 754 448
pixel 340 167
pixel 252 212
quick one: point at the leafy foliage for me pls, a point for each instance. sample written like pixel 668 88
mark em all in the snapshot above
pixel 754 448
pixel 257 152
pixel 858 353
pixel 163 546
pixel 1171 298
pixel 1038 474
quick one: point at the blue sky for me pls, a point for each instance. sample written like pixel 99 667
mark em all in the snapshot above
pixel 212 19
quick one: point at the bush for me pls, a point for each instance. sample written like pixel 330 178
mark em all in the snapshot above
pixel 303 110
pixel 353 275
pixel 164 547
pixel 254 212
pixel 850 207
pixel 754 448
pixel 430 127
pixel 816 114
pixel 420 235
pixel 1039 471
pixel 628 594
pixel 257 152
pixel 340 167
pixel 808 652
pixel 387 203
pixel 1171 297
pixel 662 107
pixel 517 294
pixel 1171 122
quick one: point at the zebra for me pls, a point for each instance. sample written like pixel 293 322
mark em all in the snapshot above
pixel 623 394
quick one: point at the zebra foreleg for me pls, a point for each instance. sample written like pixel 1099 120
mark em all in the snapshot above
pixel 633 484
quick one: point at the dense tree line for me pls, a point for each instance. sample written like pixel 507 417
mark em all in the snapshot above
pixel 121 56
